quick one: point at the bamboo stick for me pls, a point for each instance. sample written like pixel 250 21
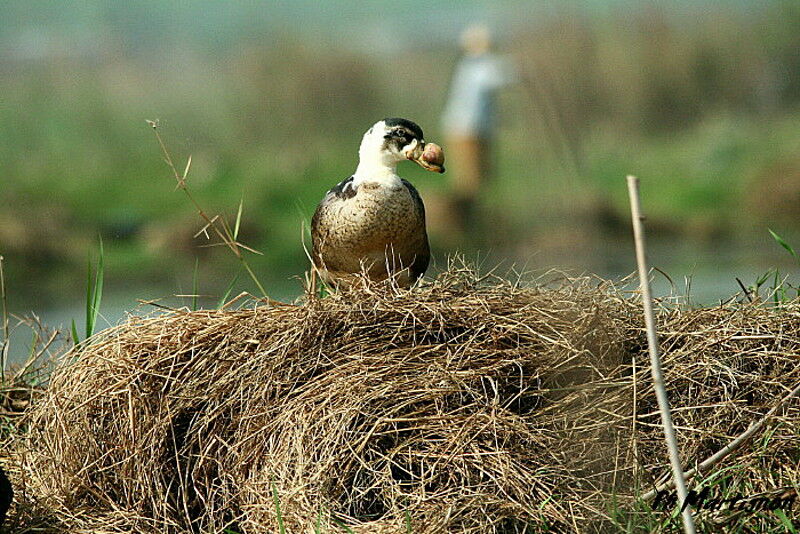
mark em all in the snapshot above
pixel 655 360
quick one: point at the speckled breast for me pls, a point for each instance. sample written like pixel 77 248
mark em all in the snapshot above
pixel 377 222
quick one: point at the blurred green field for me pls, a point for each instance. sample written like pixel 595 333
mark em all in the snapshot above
pixel 701 102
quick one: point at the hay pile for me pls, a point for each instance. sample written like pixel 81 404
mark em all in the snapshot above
pixel 464 406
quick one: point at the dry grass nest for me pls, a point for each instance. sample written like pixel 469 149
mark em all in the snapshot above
pixel 467 405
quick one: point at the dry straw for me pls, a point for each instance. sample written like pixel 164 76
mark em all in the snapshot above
pixel 467 405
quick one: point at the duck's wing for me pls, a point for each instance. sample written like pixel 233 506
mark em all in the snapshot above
pixel 423 257
pixel 320 222
pixel 415 197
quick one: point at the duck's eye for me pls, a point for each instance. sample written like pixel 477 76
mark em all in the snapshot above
pixel 400 133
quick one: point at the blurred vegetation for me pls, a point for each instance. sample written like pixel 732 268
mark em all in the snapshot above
pixel 702 102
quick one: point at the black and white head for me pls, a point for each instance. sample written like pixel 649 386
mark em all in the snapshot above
pixel 391 141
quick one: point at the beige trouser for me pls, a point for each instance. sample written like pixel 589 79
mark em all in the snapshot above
pixel 469 165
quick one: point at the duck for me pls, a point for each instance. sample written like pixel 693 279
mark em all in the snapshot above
pixel 374 221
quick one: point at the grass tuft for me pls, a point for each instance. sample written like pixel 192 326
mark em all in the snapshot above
pixel 471 404
pixel 94 295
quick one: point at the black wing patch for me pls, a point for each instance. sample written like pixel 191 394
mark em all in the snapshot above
pixel 344 189
pixel 423 256
pixel 415 196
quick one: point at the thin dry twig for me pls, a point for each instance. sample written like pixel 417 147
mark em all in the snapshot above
pixel 729 448
pixel 217 223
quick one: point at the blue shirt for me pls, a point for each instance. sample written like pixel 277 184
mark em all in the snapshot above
pixel 470 106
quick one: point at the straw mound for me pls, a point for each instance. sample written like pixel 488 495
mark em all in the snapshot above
pixel 463 406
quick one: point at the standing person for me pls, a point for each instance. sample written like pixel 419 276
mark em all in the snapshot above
pixel 468 121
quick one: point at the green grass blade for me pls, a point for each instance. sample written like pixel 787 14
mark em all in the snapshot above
pixel 277 501
pixel 75 338
pixel 34 343
pixel 342 526
pixel 228 291
pixel 785 521
pixel 318 524
pixel 783 243
pixel 94 293
pixel 98 286
pixel 763 278
pixel 88 326
pixel 408 522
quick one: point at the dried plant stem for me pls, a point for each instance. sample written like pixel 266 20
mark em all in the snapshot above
pixel 634 442
pixel 721 454
pixel 655 360
pixel 217 224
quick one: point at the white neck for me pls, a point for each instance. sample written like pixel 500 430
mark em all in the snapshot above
pixel 374 169
pixel 374 164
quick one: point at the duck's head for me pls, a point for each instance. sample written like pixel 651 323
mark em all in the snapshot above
pixel 391 141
